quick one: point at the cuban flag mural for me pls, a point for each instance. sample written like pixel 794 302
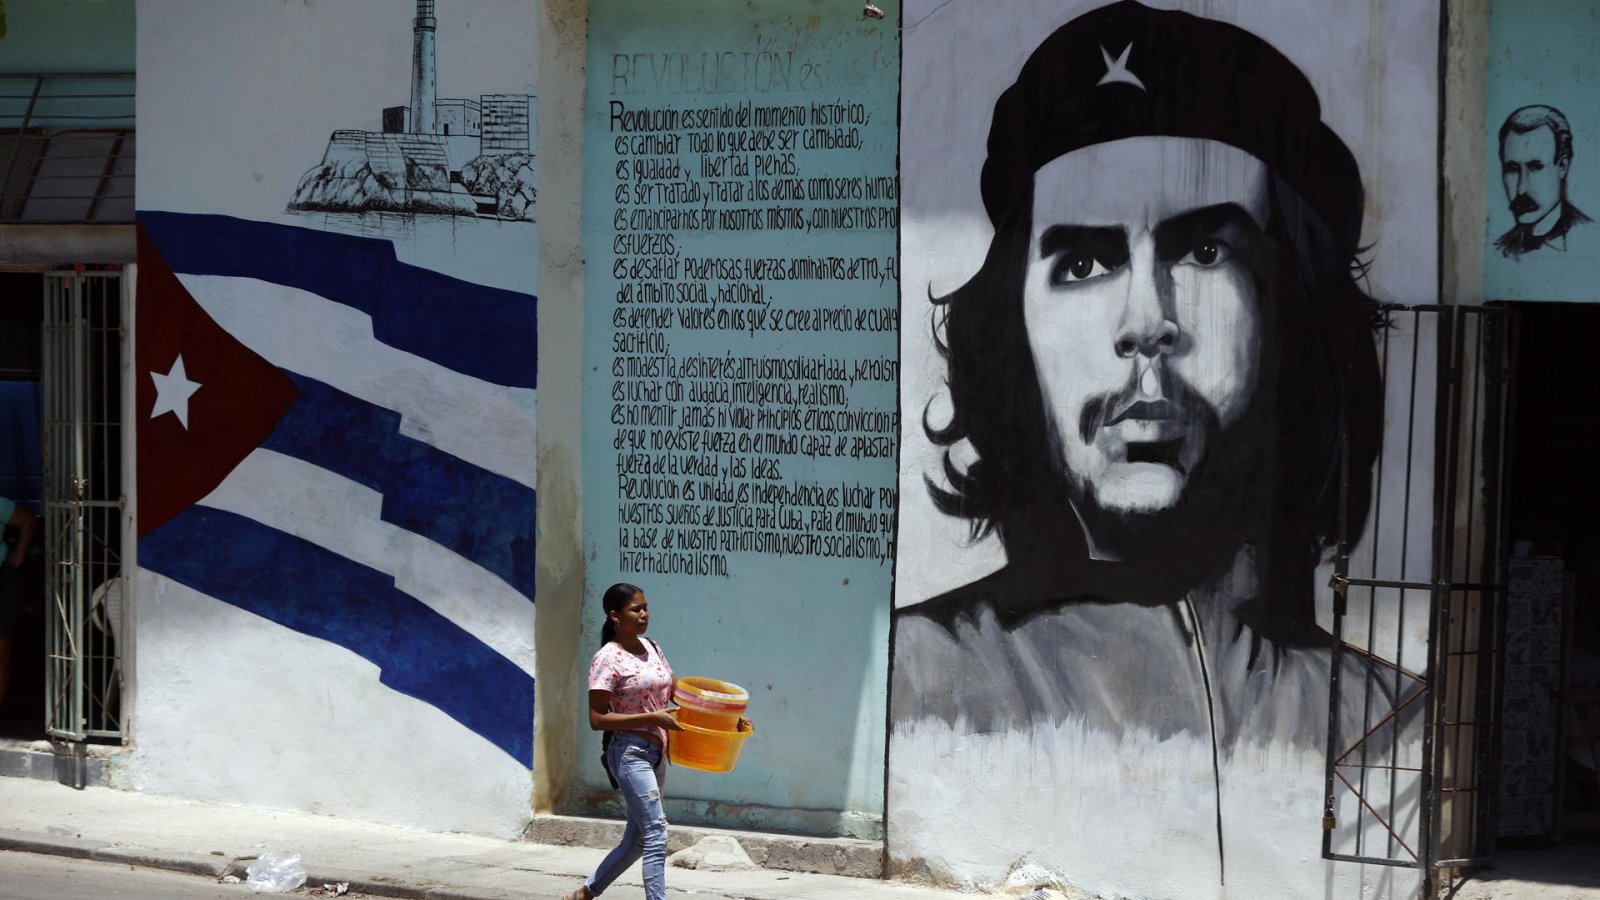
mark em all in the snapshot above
pixel 341 444
pixel 335 353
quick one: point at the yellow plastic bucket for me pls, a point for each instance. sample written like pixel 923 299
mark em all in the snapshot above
pixel 706 749
pixel 709 703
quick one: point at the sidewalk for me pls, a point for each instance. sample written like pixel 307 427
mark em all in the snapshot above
pixel 206 839
pixel 211 840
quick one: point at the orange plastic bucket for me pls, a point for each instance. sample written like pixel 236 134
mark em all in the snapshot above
pixel 706 749
pixel 710 704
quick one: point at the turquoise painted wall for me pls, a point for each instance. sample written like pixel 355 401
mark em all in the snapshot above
pixel 740 415
pixel 80 36
pixel 1547 53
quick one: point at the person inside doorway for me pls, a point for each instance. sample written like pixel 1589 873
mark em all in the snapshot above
pixel 18 538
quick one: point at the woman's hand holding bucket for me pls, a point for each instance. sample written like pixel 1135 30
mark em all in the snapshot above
pixel 665 718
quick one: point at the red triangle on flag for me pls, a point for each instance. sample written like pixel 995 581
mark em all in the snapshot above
pixel 238 402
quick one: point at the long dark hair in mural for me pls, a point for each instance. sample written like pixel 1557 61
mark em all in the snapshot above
pixel 1535 156
pixel 1161 366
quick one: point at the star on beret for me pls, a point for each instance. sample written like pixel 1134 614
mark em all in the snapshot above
pixel 1117 70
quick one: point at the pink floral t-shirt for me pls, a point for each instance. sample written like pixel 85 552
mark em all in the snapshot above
pixel 637 684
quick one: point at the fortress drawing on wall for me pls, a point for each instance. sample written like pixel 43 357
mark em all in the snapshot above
pixel 437 156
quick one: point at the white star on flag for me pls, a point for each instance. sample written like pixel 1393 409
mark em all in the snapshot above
pixel 1117 70
pixel 173 391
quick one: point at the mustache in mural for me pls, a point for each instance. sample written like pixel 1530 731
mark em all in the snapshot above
pixel 1175 401
pixel 1522 203
pixel 1194 537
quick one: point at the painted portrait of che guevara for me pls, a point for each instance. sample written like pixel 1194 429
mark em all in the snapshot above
pixel 1155 379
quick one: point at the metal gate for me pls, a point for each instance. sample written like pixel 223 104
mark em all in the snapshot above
pixel 84 356
pixel 1418 603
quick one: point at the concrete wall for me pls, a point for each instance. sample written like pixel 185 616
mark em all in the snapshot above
pixel 1541 157
pixel 1017 647
pixel 1111 660
pixel 336 420
pixel 46 36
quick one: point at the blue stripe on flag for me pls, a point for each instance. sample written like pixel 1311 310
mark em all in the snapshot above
pixel 481 331
pixel 316 592
pixel 482 516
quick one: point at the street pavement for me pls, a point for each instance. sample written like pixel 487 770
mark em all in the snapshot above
pixel 31 876
pixel 208 841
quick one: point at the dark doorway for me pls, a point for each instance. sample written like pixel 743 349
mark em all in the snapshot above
pixel 21 311
pixel 1549 778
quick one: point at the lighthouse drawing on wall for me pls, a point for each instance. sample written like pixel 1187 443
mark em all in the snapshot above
pixel 423 87
pixel 450 157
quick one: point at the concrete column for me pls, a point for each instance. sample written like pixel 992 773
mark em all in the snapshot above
pixel 558 580
pixel 62 244
pixel 1465 203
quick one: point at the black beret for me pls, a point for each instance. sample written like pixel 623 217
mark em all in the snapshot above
pixel 1127 70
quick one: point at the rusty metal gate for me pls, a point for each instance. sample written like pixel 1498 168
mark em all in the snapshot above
pixel 84 357
pixel 1418 602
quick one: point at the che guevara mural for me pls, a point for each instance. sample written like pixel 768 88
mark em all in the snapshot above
pixel 1142 264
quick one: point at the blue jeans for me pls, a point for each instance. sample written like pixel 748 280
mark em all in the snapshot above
pixel 641 773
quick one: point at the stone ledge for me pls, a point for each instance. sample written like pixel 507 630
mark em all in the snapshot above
pixel 40 760
pixel 785 852
pixel 22 242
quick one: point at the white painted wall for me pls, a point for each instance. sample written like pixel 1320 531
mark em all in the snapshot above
pixel 236 101
pixel 222 718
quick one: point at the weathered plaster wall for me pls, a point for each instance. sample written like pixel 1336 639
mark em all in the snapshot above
pixel 336 366
pixel 740 212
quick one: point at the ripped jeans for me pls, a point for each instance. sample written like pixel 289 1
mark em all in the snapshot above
pixel 641 773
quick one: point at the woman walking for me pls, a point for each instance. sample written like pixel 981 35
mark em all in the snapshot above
pixel 630 683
